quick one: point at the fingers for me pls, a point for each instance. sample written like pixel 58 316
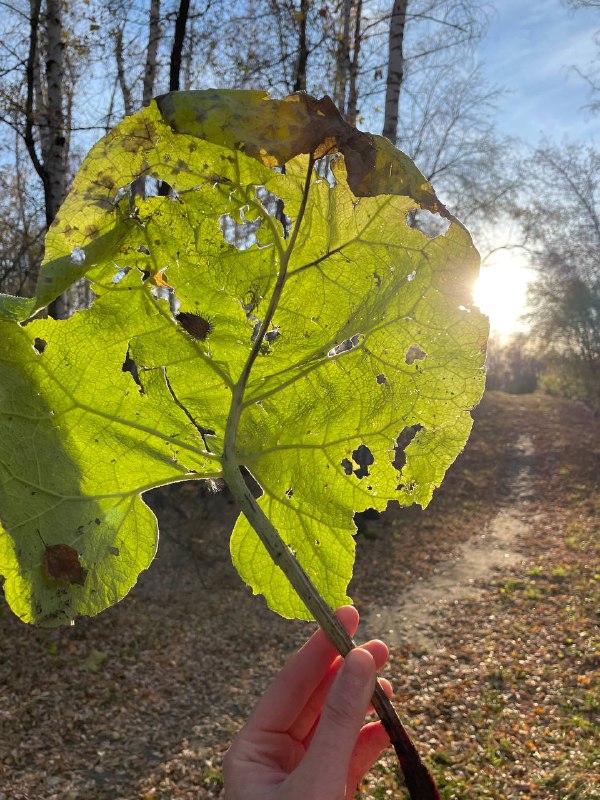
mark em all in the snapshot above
pixel 372 740
pixel 387 688
pixel 287 696
pixel 305 722
pixel 324 768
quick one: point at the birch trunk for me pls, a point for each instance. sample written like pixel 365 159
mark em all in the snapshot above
pixel 45 107
pixel 151 52
pixel 395 73
pixel 343 58
pixel 352 111
pixel 53 138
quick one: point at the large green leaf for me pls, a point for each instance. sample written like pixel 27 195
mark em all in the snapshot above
pixel 373 336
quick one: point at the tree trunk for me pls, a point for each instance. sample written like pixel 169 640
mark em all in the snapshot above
pixel 48 116
pixel 343 59
pixel 300 81
pixel 32 79
pixel 53 139
pixel 395 73
pixel 121 78
pixel 177 49
pixel 53 143
pixel 151 52
pixel 352 111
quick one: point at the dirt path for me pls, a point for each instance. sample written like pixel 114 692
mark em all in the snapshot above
pixel 412 618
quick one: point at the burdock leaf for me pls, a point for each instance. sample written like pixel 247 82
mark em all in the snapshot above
pixel 256 267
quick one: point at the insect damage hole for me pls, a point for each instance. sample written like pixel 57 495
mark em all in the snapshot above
pixel 432 225
pixel 363 458
pixel 323 168
pixel 39 345
pixel 405 437
pixel 275 207
pixel 131 367
pixel 346 345
pixel 242 235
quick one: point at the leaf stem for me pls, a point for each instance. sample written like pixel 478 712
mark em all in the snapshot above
pixel 418 780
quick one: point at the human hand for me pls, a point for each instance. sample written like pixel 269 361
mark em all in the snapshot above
pixel 305 740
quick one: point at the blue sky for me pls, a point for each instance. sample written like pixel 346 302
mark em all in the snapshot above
pixel 530 49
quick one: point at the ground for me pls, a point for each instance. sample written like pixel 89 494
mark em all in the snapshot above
pixel 489 598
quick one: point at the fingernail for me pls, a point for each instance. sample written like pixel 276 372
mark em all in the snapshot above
pixel 359 664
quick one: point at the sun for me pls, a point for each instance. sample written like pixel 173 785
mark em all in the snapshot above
pixel 500 291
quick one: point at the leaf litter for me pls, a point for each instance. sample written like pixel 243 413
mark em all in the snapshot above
pixel 142 701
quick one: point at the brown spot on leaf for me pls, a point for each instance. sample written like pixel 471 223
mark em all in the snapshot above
pixel 61 563
pixel 194 324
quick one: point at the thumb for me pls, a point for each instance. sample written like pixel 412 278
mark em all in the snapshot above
pixel 327 759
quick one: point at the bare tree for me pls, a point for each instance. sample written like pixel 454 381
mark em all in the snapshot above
pixel 352 110
pixel 178 42
pixel 44 107
pixel 592 75
pixel 560 214
pixel 300 79
pixel 154 36
pixel 121 71
pixel 343 57
pixel 395 69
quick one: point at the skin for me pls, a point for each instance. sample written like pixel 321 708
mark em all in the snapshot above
pixel 306 739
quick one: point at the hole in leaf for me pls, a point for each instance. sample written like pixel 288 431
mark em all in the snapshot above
pixel 345 346
pixel 144 250
pixel 273 334
pixel 130 366
pixel 274 206
pixel 431 225
pixel 381 379
pixel 77 255
pixel 241 235
pixel 39 345
pixel 168 293
pixel 347 465
pixel 290 492
pixel 196 325
pixel 364 458
pixel 145 186
pixel 255 328
pixel 323 169
pixel 405 437
pixel 415 353
pixel 120 274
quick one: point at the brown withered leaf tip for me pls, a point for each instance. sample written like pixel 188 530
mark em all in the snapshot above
pixel 194 324
pixel 61 563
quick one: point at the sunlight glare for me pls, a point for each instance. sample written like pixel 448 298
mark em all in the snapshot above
pixel 501 294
